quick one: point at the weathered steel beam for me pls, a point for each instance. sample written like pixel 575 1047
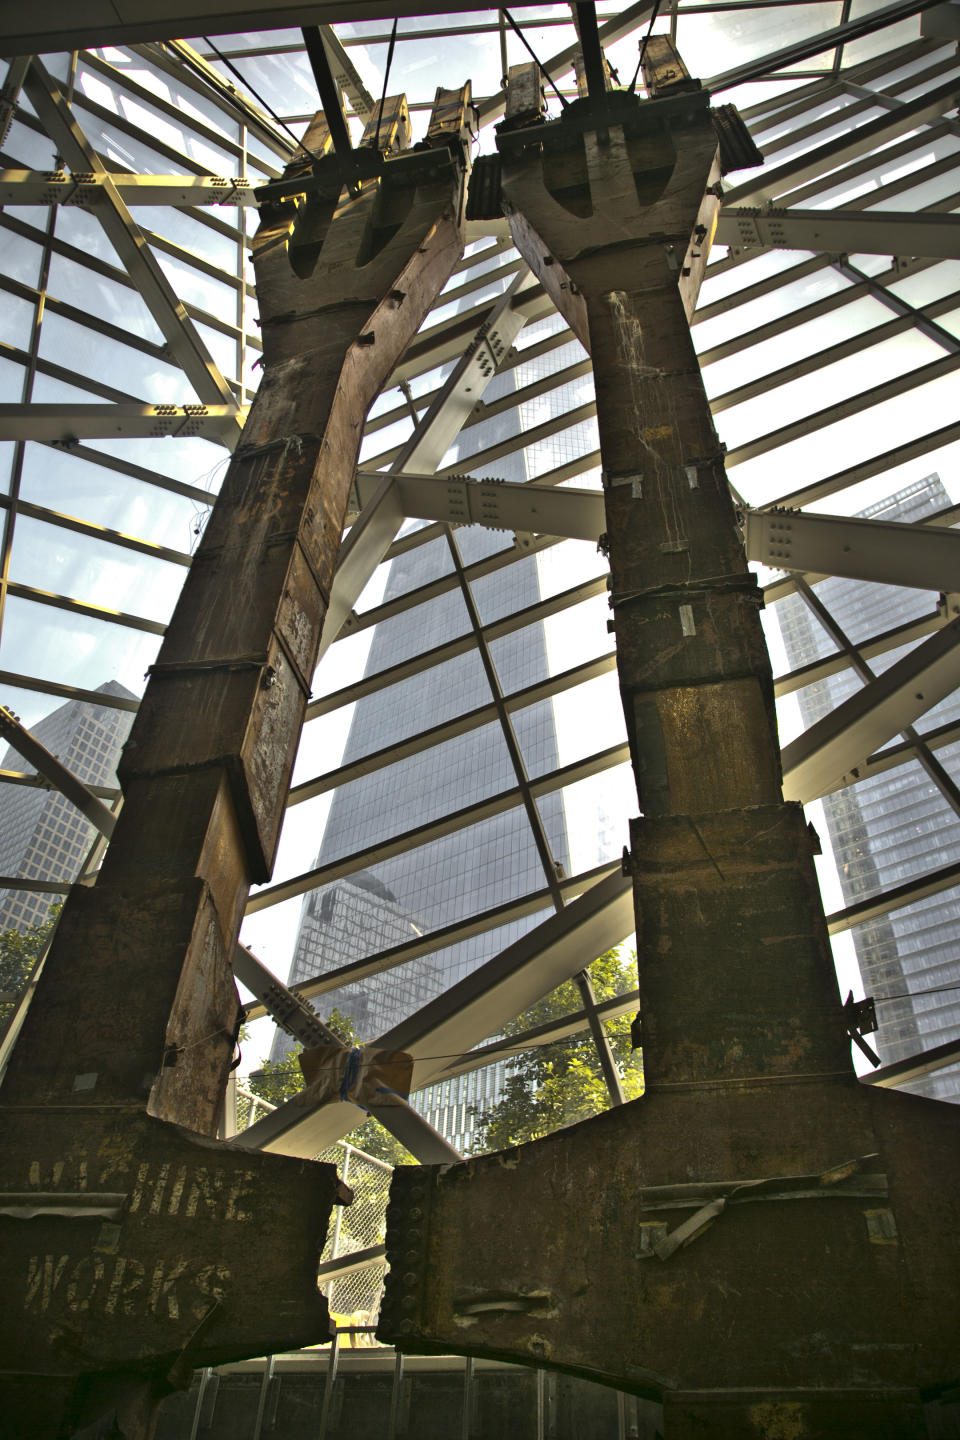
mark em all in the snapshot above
pixel 609 1266
pixel 140 1265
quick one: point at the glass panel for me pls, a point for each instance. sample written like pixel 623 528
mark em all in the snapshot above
pixel 93 571
pixel 107 299
pixel 836 447
pixel 711 44
pixel 12 378
pixel 189 231
pixel 16 319
pixel 596 814
pixel 507 590
pixel 854 375
pixel 797 343
pixel 125 152
pixel 21 257
pixel 392 715
pixel 73 649
pixel 73 486
pixel 572 725
pixel 929 284
pixel 794 634
pixel 196 288
pixel 194 106
pixel 567 564
pixel 413 792
pixel 78 227
pixel 752 313
pixel 27 149
pixel 119 366
pixel 195 461
pixel 6 462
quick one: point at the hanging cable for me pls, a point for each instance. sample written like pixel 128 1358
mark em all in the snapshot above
pixel 386 81
pixel 524 41
pixel 643 45
pixel 259 99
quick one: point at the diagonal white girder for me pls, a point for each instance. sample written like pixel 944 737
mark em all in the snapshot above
pixel 298 1019
pixel 56 773
pixel 765 185
pixel 381 514
pixel 186 346
pixel 478 1006
pixel 830 753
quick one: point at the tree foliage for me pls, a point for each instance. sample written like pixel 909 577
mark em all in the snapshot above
pixel 19 952
pixel 554 1085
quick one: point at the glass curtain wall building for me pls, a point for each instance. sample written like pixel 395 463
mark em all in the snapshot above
pixel 832 373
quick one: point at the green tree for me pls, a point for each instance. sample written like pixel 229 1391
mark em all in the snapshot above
pixel 19 952
pixel 278 1080
pixel 554 1085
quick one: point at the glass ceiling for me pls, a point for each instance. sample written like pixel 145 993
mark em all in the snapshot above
pixel 470 703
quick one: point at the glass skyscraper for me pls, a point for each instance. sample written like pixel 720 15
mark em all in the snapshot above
pixel 44 836
pixel 474 868
pixel 892 826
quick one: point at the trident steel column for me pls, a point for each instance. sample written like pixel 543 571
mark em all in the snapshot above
pixel 756 1242
pixel 134 1246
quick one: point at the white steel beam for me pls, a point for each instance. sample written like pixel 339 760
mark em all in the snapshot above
pixel 186 346
pixel 381 507
pixel 915 1067
pixel 63 187
pixel 924 557
pixel 574 514
pixel 866 138
pixel 65 425
pixel 831 752
pixel 847 232
pixel 297 1018
pixel 469 1011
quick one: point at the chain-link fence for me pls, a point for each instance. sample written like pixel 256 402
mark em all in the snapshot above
pixel 353 1298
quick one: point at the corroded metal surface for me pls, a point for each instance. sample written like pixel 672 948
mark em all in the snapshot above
pixel 763 1244
pixel 134 1249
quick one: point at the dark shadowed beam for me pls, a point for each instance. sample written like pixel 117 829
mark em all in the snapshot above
pixel 73 24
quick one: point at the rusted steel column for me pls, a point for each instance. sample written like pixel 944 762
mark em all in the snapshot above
pixel 135 1247
pixel 748 1241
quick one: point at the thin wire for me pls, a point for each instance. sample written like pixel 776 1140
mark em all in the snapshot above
pixel 909 994
pixel 259 98
pixel 643 45
pixel 524 41
pixel 386 81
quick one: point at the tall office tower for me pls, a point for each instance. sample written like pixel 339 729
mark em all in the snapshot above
pixel 471 869
pixel 43 836
pixel 890 827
